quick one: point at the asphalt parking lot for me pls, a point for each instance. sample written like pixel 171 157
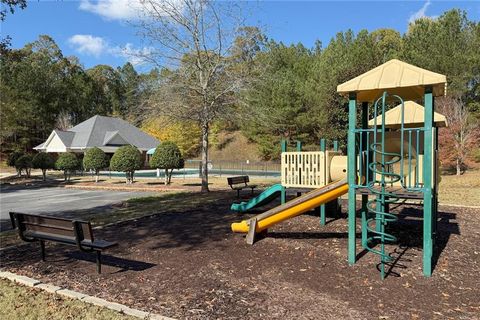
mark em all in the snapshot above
pixel 53 200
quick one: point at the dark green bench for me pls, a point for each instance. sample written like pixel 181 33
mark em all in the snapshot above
pixel 32 227
pixel 239 183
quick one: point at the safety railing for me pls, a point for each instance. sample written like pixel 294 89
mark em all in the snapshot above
pixel 303 169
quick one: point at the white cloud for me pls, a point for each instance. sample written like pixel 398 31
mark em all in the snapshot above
pixel 88 44
pixel 96 46
pixel 112 9
pixel 135 56
pixel 421 13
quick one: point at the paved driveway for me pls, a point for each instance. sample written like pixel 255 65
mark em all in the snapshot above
pixel 55 200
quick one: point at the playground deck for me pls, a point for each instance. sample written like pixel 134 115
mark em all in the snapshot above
pixel 188 264
pixel 399 191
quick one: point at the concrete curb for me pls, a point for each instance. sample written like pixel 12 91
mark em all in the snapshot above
pixel 26 281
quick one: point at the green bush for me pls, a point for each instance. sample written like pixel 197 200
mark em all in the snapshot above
pixel 24 163
pixel 126 159
pixel 12 158
pixel 43 161
pixel 67 162
pixel 95 159
pixel 167 156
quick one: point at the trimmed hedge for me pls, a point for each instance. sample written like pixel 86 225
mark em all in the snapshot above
pixel 127 159
pixel 43 161
pixel 95 159
pixel 67 162
pixel 167 156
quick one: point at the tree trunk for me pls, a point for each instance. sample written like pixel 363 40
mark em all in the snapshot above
pixel 96 176
pixel 459 168
pixel 204 167
pixel 44 174
pixel 166 177
pixel 65 175
pixel 170 176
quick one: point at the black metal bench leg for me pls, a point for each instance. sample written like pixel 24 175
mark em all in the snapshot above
pixel 99 261
pixel 42 249
pixel 238 194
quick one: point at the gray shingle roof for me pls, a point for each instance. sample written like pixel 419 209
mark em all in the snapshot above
pixel 99 130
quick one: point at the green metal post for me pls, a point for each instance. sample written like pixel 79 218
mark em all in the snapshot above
pixel 283 194
pixel 299 146
pixel 427 184
pixel 335 145
pixel 351 175
pixel 323 147
pixel 365 172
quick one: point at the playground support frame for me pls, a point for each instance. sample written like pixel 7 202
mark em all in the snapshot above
pixel 351 177
pixel 429 201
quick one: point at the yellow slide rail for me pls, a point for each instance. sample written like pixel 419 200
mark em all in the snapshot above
pixel 291 209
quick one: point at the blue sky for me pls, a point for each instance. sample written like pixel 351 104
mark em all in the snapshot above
pixel 98 32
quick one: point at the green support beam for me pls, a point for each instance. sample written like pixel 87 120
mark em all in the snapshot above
pixel 323 147
pixel 284 145
pixel 351 176
pixel 427 183
pixel 299 146
pixel 365 172
pixel 283 194
pixel 335 145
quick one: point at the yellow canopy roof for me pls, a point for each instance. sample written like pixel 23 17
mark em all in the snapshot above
pixel 413 116
pixel 396 77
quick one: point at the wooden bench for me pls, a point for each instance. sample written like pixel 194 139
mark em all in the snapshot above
pixel 239 183
pixel 32 227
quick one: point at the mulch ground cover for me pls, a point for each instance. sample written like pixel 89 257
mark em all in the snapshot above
pixel 187 264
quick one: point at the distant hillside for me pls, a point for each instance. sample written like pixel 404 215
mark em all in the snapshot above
pixel 233 146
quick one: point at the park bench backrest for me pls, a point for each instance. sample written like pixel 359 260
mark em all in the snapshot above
pixel 238 180
pixel 52 226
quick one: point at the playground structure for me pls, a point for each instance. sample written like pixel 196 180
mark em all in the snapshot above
pixel 391 156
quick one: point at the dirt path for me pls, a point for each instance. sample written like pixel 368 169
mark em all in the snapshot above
pixel 189 265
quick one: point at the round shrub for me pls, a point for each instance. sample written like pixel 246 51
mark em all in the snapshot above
pixel 95 159
pixel 67 162
pixel 43 161
pixel 126 159
pixel 24 163
pixel 12 158
pixel 167 156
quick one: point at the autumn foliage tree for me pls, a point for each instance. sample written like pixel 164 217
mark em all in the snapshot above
pixel 460 137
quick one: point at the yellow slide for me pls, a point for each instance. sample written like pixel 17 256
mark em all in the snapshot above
pixel 291 209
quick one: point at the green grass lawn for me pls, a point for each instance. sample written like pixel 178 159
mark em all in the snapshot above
pixel 24 303
pixel 460 190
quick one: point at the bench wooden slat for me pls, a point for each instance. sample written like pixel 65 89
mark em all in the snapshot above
pixel 97 244
pixel 46 221
pixel 49 230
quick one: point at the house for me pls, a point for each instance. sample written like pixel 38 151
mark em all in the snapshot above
pixel 106 133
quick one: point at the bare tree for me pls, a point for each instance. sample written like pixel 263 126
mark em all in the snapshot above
pixel 190 40
pixel 64 121
pixel 461 135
